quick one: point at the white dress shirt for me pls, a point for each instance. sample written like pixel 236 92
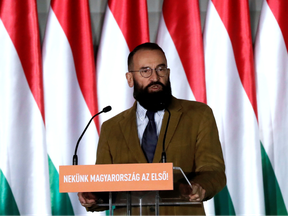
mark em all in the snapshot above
pixel 142 120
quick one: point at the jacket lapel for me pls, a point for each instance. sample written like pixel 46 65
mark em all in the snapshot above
pixel 175 110
pixel 129 129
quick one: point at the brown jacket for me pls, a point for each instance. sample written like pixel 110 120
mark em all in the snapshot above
pixel 192 143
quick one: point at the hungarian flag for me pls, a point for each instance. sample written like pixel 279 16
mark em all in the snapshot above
pixel 271 62
pixel 24 179
pixel 180 37
pixel 125 27
pixel 70 94
pixel 230 86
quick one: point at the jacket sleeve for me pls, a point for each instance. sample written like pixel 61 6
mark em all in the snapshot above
pixel 103 157
pixel 209 162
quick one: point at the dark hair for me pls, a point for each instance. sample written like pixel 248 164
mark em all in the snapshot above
pixel 144 46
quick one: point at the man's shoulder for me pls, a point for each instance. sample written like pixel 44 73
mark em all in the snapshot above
pixel 188 105
pixel 120 116
pixel 192 109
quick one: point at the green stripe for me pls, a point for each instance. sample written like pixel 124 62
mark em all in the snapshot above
pixel 223 203
pixel 60 202
pixel 107 212
pixel 8 204
pixel 274 203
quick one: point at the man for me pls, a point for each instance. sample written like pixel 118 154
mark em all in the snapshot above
pixel 192 141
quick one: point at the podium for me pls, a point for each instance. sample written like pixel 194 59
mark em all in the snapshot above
pixel 129 187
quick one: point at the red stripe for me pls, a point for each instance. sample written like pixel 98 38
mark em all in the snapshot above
pixel 21 22
pixel 183 23
pixel 74 18
pixel 132 18
pixel 279 9
pixel 235 17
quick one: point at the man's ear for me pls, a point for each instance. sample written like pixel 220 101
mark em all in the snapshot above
pixel 129 78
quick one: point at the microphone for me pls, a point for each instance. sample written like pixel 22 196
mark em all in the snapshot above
pixel 163 157
pixel 75 157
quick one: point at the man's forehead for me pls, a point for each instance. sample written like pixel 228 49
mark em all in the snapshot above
pixel 149 56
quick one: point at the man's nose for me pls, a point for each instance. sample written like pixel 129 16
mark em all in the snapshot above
pixel 154 76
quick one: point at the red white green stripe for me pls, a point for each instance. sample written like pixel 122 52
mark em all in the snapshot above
pixel 271 61
pixel 231 94
pixel 70 94
pixel 24 179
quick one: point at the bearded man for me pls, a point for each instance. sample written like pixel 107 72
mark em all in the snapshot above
pixel 192 141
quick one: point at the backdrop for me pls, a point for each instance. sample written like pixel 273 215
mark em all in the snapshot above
pixel 62 61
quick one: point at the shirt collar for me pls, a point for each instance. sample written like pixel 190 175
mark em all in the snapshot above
pixel 141 112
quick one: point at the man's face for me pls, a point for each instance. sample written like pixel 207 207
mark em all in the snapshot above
pixel 143 59
pixel 154 92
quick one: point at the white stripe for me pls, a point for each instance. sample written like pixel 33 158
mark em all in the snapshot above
pixel 179 83
pixel 23 157
pixel 209 207
pixel 65 108
pixel 271 62
pixel 112 87
pixel 235 118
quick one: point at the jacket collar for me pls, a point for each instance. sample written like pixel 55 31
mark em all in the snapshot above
pixel 128 126
pixel 175 110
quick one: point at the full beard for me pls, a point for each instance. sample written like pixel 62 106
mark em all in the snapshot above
pixel 153 101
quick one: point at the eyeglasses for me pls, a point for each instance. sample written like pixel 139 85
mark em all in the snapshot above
pixel 147 72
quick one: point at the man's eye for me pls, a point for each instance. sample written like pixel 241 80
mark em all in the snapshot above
pixel 145 70
pixel 161 69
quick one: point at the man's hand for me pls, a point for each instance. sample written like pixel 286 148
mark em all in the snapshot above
pixel 87 199
pixel 196 194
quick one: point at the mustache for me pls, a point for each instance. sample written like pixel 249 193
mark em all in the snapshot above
pixel 155 83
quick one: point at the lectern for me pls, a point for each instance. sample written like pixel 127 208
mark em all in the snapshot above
pixel 128 187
